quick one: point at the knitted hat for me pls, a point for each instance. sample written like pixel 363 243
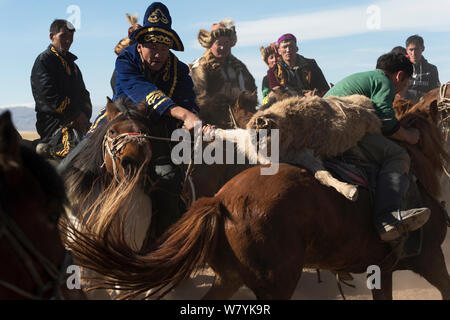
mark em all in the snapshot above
pixel 224 28
pixel 157 27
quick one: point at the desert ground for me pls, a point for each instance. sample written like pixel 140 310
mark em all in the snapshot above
pixel 407 285
pixel 29 135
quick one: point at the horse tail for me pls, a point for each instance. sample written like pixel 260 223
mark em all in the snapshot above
pixel 183 249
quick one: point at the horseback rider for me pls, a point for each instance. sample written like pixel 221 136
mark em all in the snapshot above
pixel 147 71
pixel 218 71
pixel 295 73
pixel 392 73
pixel 63 105
pixel 270 56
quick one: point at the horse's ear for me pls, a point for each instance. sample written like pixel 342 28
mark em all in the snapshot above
pixel 9 143
pixel 247 100
pixel 111 110
pixel 144 109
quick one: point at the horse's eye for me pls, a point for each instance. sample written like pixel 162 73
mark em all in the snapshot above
pixel 111 131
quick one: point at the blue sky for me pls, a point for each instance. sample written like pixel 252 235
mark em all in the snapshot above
pixel 343 36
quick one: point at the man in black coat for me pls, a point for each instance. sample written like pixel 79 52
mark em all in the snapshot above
pixel 63 105
pixel 425 76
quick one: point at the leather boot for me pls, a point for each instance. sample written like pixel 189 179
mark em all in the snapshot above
pixel 389 218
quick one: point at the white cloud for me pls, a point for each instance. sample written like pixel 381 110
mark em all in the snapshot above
pixel 387 15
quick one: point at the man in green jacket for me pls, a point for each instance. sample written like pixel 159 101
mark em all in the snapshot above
pixel 390 77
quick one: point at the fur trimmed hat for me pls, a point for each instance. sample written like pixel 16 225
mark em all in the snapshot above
pixel 126 42
pixel 223 28
pixel 267 51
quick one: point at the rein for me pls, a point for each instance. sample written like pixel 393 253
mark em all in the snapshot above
pixel 233 118
pixel 444 110
pixel 25 249
pixel 444 102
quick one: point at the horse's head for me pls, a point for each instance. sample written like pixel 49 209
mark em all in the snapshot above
pixel 126 144
pixel 430 117
pixel 433 106
pixel 28 184
pixel 10 160
pixel 244 108
pixel 228 111
pixel 428 106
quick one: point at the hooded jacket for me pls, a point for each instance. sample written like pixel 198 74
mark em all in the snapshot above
pixel 425 77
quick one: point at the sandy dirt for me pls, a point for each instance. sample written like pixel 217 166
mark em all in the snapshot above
pixel 29 135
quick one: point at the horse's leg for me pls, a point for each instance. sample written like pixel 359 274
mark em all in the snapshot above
pixel 280 286
pixel 276 280
pixel 223 288
pixel 385 291
pixel 435 272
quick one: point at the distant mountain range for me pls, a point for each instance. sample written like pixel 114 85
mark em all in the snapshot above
pixel 24 117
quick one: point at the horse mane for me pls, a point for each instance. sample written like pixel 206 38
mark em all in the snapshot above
pixel 401 107
pixel 426 107
pixel 429 156
pixel 86 170
pixel 100 202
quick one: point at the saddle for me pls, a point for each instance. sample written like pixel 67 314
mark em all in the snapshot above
pixel 364 175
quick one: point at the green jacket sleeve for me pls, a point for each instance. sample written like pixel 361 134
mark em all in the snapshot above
pixel 383 94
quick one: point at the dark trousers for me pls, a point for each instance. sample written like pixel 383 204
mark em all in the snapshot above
pixel 166 200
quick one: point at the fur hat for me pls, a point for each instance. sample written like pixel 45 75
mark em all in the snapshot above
pixel 126 42
pixel 157 27
pixel 224 28
pixel 267 51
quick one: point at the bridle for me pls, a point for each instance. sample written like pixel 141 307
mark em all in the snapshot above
pixel 113 146
pixel 444 111
pixel 444 108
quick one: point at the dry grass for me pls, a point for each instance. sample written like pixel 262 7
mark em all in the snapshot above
pixel 29 135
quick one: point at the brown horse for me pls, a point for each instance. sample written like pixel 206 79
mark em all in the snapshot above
pixel 32 197
pixel 261 231
pixel 109 178
pixel 435 108
pixel 226 114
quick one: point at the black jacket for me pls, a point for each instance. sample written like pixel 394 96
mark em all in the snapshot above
pixel 424 78
pixel 59 91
